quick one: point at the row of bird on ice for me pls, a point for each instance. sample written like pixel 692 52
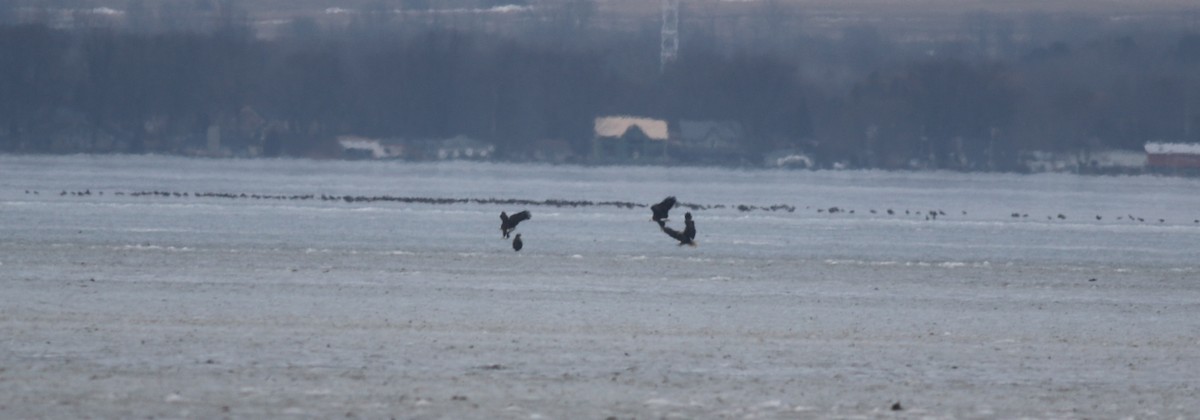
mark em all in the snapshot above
pixel 658 215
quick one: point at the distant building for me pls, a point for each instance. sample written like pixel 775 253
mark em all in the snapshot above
pixel 626 137
pixel 710 134
pixel 1173 155
pixel 789 159
pixel 1117 161
pixel 355 147
pixel 1037 161
pixel 463 147
pixel 710 142
pixel 1090 162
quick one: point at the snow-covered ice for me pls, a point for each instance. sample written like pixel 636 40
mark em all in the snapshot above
pixel 120 306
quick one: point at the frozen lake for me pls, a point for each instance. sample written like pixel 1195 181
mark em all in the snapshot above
pixel 121 304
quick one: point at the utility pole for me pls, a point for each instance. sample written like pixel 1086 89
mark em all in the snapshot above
pixel 670 33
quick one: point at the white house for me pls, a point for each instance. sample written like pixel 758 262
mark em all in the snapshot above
pixel 463 147
pixel 618 126
pixel 626 137
pixel 372 148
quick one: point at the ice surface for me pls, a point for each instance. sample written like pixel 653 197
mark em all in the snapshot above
pixel 124 306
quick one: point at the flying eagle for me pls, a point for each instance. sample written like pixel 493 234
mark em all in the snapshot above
pixel 508 223
pixel 660 210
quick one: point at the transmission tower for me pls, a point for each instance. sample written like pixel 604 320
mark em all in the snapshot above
pixel 670 33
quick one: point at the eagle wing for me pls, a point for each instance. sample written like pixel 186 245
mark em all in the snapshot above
pixel 661 209
pixel 520 217
pixel 678 236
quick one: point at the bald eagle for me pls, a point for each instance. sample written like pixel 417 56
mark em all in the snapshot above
pixel 517 244
pixel 508 223
pixel 682 237
pixel 689 229
pixel 660 210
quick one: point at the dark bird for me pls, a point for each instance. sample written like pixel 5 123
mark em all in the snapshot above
pixel 689 228
pixel 660 210
pixel 682 237
pixel 508 223
pixel 517 244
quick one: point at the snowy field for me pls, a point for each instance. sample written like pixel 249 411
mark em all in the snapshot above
pixel 123 305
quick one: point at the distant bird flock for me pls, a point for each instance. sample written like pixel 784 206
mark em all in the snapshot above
pixel 508 223
pixel 425 200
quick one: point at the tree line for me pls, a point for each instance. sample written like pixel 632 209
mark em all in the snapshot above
pixel 949 105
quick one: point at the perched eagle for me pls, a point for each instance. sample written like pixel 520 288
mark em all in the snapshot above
pixel 508 223
pixel 689 228
pixel 661 209
pixel 517 244
pixel 687 237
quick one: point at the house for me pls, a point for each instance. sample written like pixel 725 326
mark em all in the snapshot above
pixel 710 134
pixel 1037 161
pixel 710 142
pixel 1111 161
pixel 1116 162
pixel 463 147
pixel 355 147
pixel 627 137
pixel 788 159
pixel 1173 156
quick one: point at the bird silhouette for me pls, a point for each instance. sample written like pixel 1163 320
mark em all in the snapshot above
pixel 660 210
pixel 508 223
pixel 517 244
pixel 689 229
pixel 687 237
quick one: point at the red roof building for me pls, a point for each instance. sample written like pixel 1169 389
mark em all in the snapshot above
pixel 1173 155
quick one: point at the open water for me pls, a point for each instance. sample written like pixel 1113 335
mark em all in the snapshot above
pixel 149 286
